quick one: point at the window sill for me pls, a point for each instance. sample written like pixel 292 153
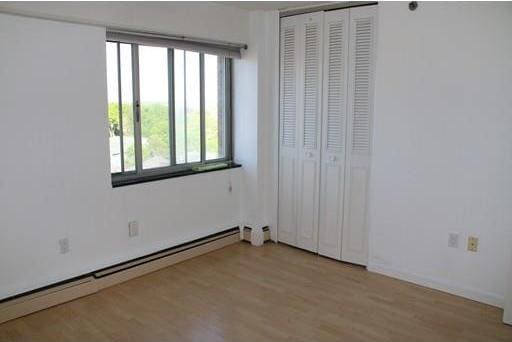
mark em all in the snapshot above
pixel 151 178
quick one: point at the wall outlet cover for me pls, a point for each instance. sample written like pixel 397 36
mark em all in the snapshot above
pixel 453 240
pixel 133 228
pixel 64 245
pixel 472 244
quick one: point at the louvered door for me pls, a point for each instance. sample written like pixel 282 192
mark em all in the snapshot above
pixel 310 128
pixel 288 137
pixel 360 110
pixel 334 132
pixel 300 117
pixel 327 70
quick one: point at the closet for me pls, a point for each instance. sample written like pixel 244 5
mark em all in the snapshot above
pixel 326 107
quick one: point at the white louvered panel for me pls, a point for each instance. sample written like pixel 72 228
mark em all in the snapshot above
pixel 309 104
pixel 311 84
pixel 290 57
pixel 354 247
pixel 361 90
pixel 334 134
pixel 335 138
pixel 288 87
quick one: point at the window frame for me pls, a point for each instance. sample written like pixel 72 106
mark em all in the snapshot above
pixel 140 174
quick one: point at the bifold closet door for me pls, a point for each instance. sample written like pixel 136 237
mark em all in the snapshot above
pixel 301 89
pixel 310 103
pixel 334 131
pixel 327 71
pixel 288 132
pixel 360 111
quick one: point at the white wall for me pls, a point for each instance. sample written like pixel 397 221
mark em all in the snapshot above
pixel 442 148
pixel 55 163
pixel 256 121
pixel 268 133
pixel 245 126
pixel 200 19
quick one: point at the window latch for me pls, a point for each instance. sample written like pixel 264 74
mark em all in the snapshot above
pixel 137 111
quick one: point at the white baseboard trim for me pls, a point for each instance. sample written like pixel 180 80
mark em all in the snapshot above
pixel 469 293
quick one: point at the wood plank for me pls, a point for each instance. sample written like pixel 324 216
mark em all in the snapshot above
pixel 269 293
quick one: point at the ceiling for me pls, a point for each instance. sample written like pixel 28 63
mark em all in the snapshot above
pixel 272 5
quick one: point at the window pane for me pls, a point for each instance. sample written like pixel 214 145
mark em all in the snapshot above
pixel 127 107
pixel 214 98
pixel 113 109
pixel 179 106
pixel 192 117
pixel 154 139
pixel 154 106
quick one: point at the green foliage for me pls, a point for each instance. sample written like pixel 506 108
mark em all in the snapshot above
pixel 212 134
pixel 115 123
pixel 113 119
pixel 115 130
pixel 155 132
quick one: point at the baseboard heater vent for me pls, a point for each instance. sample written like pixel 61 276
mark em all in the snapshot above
pixel 64 291
pixel 247 234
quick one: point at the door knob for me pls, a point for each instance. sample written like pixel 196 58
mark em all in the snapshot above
pixel 309 154
pixel 332 158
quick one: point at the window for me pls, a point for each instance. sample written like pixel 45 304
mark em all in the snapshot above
pixel 168 110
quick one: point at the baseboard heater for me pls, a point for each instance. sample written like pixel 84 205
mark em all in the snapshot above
pixel 246 234
pixel 64 291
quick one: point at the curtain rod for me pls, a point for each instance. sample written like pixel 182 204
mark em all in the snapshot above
pixel 325 7
pixel 150 34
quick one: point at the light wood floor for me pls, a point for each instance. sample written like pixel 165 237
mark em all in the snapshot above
pixel 271 293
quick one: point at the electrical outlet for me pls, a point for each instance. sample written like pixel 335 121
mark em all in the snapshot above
pixel 133 228
pixel 64 245
pixel 472 244
pixel 453 240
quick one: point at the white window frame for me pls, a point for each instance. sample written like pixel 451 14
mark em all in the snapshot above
pixel 173 170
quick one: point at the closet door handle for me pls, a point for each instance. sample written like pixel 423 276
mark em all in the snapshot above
pixel 309 154
pixel 332 158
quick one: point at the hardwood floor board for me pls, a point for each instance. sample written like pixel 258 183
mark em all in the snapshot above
pixel 269 293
